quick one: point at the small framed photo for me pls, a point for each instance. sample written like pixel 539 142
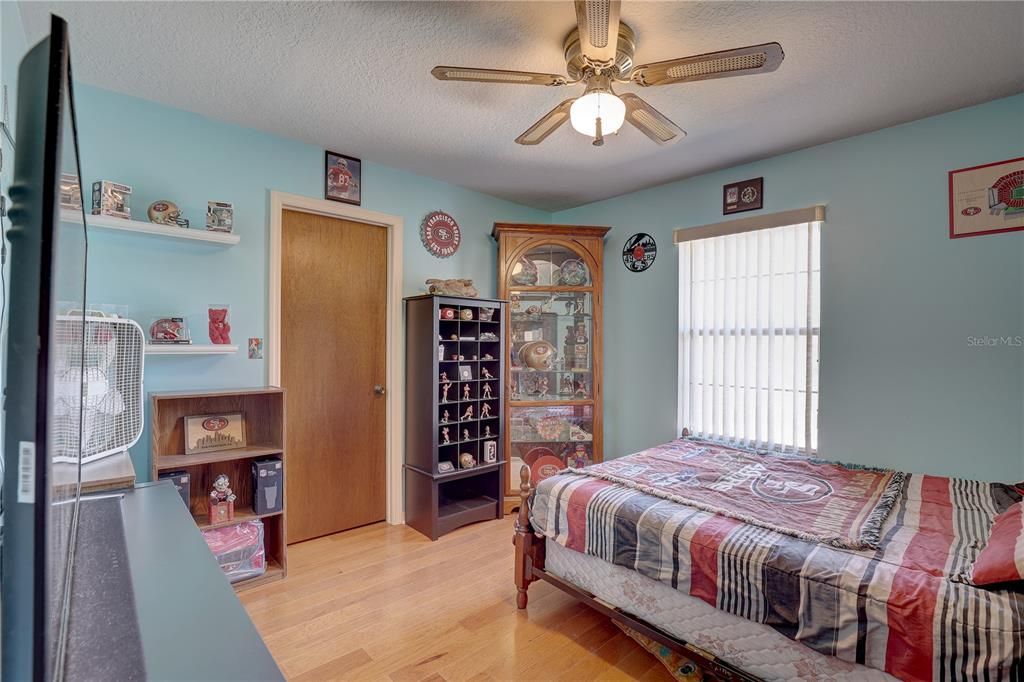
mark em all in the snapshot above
pixel 747 195
pixel 465 373
pixel 490 451
pixel 214 432
pixel 445 467
pixel 343 178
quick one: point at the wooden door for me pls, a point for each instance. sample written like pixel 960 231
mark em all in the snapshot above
pixel 333 364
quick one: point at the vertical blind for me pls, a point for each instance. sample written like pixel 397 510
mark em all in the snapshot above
pixel 749 327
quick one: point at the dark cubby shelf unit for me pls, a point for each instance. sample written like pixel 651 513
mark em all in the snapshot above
pixel 436 501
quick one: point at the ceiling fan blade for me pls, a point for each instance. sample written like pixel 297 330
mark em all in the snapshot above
pixel 548 124
pixel 650 121
pixel 598 22
pixel 738 62
pixel 461 73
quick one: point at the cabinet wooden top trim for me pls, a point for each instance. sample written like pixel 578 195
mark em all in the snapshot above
pixel 215 393
pixel 549 230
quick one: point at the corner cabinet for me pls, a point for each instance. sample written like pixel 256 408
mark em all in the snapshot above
pixel 551 276
pixel 454 425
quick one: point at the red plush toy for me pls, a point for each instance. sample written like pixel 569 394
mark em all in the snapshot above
pixel 220 330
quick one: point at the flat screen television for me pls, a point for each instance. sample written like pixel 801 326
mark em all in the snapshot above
pixel 43 402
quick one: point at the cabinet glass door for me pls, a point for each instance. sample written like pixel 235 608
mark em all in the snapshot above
pixel 551 364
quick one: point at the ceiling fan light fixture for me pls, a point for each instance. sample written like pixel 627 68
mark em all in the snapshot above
pixel 593 105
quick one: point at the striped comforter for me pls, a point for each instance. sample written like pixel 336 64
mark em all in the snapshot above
pixel 904 608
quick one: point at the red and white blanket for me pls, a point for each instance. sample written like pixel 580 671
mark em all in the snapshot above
pixel 906 607
pixel 798 496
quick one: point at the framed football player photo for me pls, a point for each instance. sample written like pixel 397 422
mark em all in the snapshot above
pixel 343 178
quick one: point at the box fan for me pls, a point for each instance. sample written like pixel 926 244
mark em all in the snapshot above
pixel 109 361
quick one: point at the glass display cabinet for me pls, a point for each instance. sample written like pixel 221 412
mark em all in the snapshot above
pixel 551 277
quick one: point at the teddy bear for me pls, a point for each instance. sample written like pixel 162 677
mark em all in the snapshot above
pixel 220 330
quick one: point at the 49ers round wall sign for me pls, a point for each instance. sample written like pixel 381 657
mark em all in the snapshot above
pixel 639 252
pixel 440 234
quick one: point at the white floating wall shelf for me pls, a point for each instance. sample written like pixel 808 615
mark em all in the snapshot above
pixel 103 222
pixel 189 349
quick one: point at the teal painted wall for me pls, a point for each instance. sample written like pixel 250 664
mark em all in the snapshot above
pixel 901 385
pixel 165 153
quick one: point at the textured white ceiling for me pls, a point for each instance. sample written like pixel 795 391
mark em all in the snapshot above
pixel 355 77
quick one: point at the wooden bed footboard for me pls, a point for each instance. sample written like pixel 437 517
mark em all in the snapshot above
pixel 529 567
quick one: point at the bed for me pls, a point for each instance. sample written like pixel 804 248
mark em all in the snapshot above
pixel 885 596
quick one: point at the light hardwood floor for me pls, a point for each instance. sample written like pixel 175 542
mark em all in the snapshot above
pixel 384 603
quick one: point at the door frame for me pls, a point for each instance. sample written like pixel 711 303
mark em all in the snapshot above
pixel 394 438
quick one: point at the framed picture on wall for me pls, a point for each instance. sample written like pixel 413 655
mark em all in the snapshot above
pixel 986 199
pixel 747 195
pixel 343 178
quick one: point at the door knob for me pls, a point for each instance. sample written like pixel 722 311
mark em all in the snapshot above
pixel 378 389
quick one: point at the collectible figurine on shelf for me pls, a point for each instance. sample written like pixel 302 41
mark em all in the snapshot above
pixel 485 373
pixel 565 385
pixel 546 306
pixel 487 390
pixel 542 387
pixel 468 414
pixel 581 389
pixel 465 391
pixel 485 411
pixel 444 377
pixel 488 356
pixel 581 333
pixel 222 500
pixel 467 461
pixel 487 432
pixel 444 417
pixel 465 434
pixel 445 436
pixel 444 391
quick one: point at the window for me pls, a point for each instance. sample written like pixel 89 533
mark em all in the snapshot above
pixel 749 320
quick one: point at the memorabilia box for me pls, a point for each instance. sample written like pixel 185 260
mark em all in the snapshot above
pixel 169 330
pixel 111 199
pixel 181 481
pixel 267 486
pixel 220 216
pixel 70 191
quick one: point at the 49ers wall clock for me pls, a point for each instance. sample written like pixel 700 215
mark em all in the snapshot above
pixel 639 252
pixel 440 234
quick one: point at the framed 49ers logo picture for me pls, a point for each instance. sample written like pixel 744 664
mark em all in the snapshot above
pixel 986 199
pixel 639 252
pixel 440 234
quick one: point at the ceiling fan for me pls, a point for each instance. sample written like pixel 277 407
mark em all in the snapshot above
pixel 595 58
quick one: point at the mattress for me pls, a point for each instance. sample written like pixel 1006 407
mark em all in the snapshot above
pixel 754 648
pixel 905 607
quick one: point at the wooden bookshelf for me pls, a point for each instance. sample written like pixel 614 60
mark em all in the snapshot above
pixel 263 409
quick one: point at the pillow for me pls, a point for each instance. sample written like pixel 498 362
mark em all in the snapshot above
pixel 1002 560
